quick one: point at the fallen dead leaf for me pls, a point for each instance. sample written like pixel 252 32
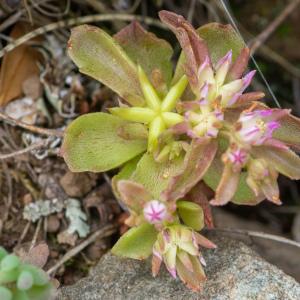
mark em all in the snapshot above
pixel 38 255
pixel 17 66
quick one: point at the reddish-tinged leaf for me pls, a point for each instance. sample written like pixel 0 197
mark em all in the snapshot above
pixel 238 68
pixel 187 277
pixel 203 241
pixel 156 263
pixel 193 46
pixel 243 196
pixel 284 161
pixel 196 163
pixel 227 186
pixel 197 270
pixel 98 55
pixel 184 257
pixel 147 50
pixel 289 131
pixel 133 194
pixel 271 190
pixel 219 39
pixel 247 98
pixel 199 194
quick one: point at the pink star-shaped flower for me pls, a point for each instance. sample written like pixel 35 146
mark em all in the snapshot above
pixel 155 211
pixel 238 157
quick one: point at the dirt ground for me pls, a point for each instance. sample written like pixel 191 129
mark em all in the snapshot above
pixel 40 86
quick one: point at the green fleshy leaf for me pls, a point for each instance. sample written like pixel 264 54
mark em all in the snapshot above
pixel 5 293
pixel 289 131
pixel 284 161
pixel 137 242
pixel 194 48
pixel 125 173
pixel 220 39
pixel 191 214
pixel 197 160
pixel 98 55
pixel 98 142
pixel 156 176
pixel 148 51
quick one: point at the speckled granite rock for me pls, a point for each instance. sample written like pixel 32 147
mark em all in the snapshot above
pixel 234 271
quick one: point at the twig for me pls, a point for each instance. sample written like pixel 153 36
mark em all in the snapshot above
pixel 24 233
pixel 76 21
pixel 36 233
pixel 97 5
pixel 263 36
pixel 270 54
pixel 41 144
pixel 191 11
pixel 262 235
pixel 101 233
pixel 8 203
pixel 35 129
pixel 11 20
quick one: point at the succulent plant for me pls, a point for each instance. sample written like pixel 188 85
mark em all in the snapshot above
pixel 21 281
pixel 176 134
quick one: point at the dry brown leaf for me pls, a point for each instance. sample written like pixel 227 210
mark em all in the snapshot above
pixel 38 255
pixel 17 66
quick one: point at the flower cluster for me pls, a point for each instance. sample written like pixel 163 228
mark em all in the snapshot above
pixel 175 225
pixel 175 136
pixel 178 247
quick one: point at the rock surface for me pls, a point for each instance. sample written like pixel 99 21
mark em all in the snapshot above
pixel 234 271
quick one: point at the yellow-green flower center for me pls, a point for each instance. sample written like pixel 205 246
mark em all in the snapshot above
pixel 158 114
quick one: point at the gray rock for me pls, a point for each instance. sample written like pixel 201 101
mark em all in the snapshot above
pixel 234 271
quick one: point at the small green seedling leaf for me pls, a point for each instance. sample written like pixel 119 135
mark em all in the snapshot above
pixel 25 281
pixel 3 253
pixel 10 262
pixel 5 294
pixel 137 242
pixel 191 214
pixel 95 142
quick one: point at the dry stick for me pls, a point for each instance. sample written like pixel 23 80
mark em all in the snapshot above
pixel 76 21
pixel 24 233
pixel 262 37
pixel 25 150
pixel 32 128
pixel 101 233
pixel 270 54
pixel 190 15
pixel 36 233
pixel 262 235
